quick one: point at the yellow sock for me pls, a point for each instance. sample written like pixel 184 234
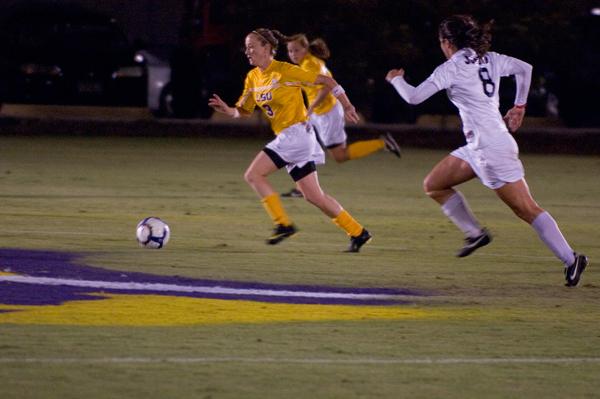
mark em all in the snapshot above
pixel 363 148
pixel 273 206
pixel 347 223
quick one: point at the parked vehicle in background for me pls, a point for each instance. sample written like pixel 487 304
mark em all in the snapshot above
pixel 65 54
pixel 160 91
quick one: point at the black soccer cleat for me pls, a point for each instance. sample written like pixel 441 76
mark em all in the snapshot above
pixel 293 193
pixel 472 243
pixel 390 144
pixel 280 233
pixel 357 242
pixel 573 273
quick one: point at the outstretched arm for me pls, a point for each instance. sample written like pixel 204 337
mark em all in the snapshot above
pixel 410 94
pixel 522 71
pixel 330 85
pixel 216 103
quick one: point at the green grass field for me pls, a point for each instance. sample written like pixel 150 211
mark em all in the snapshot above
pixel 498 324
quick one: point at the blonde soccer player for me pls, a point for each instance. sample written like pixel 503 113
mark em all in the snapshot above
pixel 275 88
pixel 471 77
pixel 326 113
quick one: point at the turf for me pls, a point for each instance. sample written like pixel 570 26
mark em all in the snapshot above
pixel 497 324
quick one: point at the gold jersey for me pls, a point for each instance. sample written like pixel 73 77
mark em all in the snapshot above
pixel 315 64
pixel 277 92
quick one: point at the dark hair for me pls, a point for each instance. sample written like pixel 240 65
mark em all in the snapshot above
pixel 464 31
pixel 268 36
pixel 317 47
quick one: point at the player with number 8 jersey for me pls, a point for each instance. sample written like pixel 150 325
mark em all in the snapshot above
pixel 471 77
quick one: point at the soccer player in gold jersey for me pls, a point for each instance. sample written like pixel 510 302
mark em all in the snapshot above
pixel 275 87
pixel 326 113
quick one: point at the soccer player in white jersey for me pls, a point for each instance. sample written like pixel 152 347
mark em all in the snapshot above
pixel 471 77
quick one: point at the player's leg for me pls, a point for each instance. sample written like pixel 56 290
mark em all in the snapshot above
pixel 390 144
pixel 265 163
pixel 363 148
pixel 339 152
pixel 449 172
pixel 439 186
pixel 518 197
pixel 256 174
pixel 309 184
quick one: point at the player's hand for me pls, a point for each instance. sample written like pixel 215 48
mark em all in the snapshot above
pixel 350 113
pixel 393 73
pixel 514 118
pixel 218 105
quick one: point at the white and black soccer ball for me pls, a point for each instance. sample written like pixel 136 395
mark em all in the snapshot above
pixel 153 233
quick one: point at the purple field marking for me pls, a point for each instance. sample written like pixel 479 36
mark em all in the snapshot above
pixel 53 264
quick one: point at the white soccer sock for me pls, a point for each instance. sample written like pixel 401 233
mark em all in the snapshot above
pixel 458 211
pixel 550 234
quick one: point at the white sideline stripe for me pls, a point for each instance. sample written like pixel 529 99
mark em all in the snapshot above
pixel 359 361
pixel 132 286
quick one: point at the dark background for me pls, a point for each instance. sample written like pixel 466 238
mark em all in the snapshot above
pixel 203 40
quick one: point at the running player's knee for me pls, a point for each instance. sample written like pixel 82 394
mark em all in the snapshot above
pixel 522 214
pixel 249 176
pixel 339 156
pixel 527 212
pixel 428 187
pixel 312 198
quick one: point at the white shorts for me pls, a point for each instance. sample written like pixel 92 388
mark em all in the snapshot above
pixel 330 126
pixel 494 167
pixel 296 146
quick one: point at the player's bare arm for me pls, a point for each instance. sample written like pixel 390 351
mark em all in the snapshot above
pixel 319 98
pixel 331 85
pixel 216 103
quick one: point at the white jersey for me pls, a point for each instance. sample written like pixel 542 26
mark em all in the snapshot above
pixel 472 84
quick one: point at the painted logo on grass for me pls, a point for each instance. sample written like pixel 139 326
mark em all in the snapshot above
pixel 30 281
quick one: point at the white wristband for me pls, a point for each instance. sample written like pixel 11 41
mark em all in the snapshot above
pixel 337 91
pixel 236 113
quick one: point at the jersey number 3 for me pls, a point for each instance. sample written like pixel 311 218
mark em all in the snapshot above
pixel 268 110
pixel 489 87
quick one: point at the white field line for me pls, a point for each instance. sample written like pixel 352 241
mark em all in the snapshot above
pixel 313 361
pixel 132 286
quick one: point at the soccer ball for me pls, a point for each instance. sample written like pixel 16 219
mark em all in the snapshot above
pixel 153 233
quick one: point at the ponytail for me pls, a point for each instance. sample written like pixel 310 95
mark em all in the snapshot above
pixel 319 49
